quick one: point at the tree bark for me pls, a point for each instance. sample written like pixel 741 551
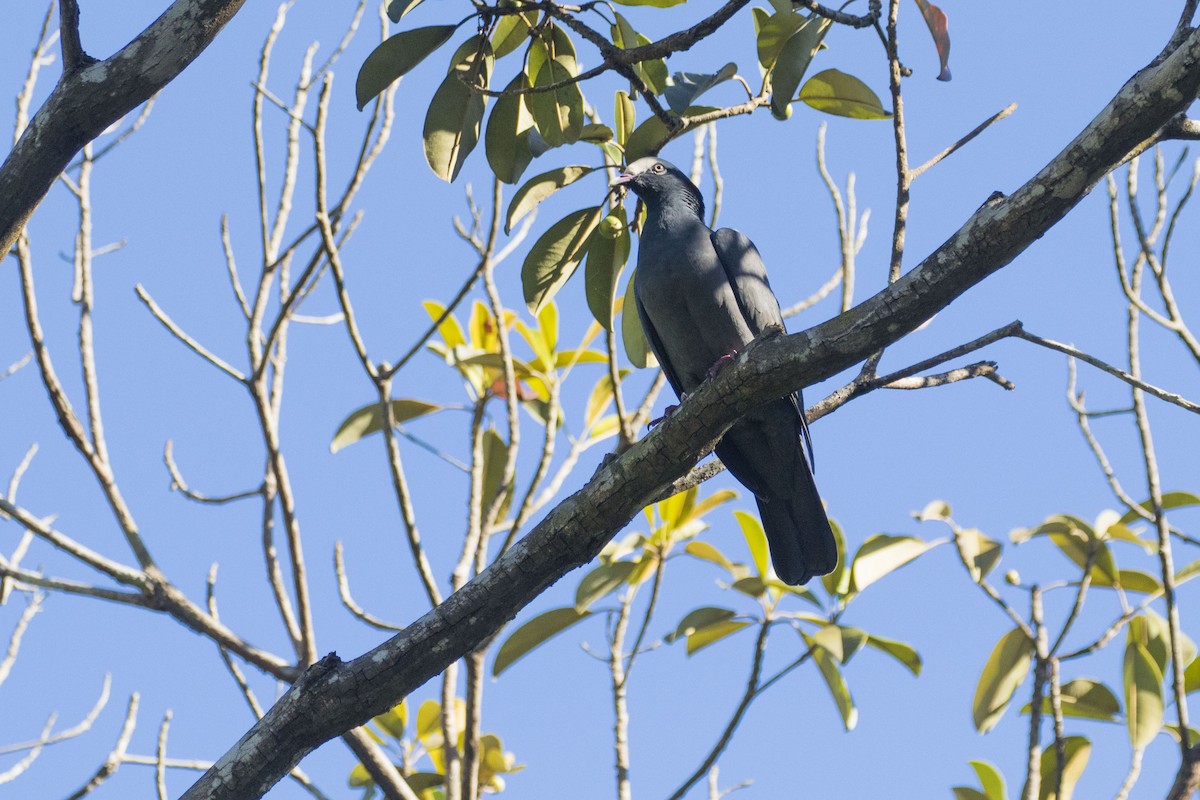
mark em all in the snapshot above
pixel 334 696
pixel 91 95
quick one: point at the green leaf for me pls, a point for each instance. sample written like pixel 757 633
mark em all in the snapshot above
pixel 601 581
pixel 1083 698
pixel 1143 695
pixel 557 113
pixel 637 350
pixel 843 95
pixel 1151 631
pixel 990 780
pixel 393 720
pixel 506 140
pixel 753 585
pixel 980 552
pixel 1131 580
pixel 369 419
pixel 699 618
pixel 756 540
pixel 455 114
pixel 939 28
pixel 881 554
pixel 837 582
pixel 653 72
pixel 553 258
pixel 624 116
pixel 1169 500
pixel 538 188
pixel 711 634
pixel 792 62
pixel 511 32
pixel 607 256
pixel 495 454
pixel 773 33
pixel 685 87
pixel 398 8
pixel 1004 671
pixel 359 777
pixel 900 651
pixel 1077 749
pixel 840 641
pixel 395 56
pixel 707 552
pixel 1191 676
pixel 533 633
pixel 837 687
pixel 967 793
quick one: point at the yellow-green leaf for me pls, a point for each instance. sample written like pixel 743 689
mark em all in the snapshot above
pixel 710 634
pixel 1004 671
pixel 756 540
pixel 637 350
pixel 900 651
pixel 844 95
pixel 1083 698
pixel 990 780
pixel 882 554
pixel 837 687
pixel 602 580
pixel 1143 695
pixel 369 419
pixel 533 633
pixel 1076 749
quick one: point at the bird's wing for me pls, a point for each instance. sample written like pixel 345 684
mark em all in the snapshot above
pixel 747 275
pixel 656 345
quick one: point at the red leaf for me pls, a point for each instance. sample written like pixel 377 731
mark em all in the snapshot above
pixel 939 27
pixel 524 393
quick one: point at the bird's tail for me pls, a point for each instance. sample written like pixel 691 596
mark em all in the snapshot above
pixel 798 532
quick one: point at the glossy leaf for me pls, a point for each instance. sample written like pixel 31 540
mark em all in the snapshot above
pixel 990 780
pixel 557 113
pixel 685 87
pixel 756 540
pixel 792 62
pixel 843 95
pixel 1076 749
pixel 538 188
pixel 455 115
pixel 637 350
pixel 980 552
pixel 393 720
pixel 606 257
pixel 773 33
pixel 1004 671
pixel 699 618
pixel 838 689
pixel 506 140
pixel 900 651
pixel 624 117
pixel 939 28
pixel 369 419
pixel 1083 698
pixel 882 554
pixel 711 634
pixel 512 31
pixel 707 552
pixel 603 580
pixel 533 633
pixel 395 56
pixel 837 582
pixel 1143 695
pixel 398 8
pixel 555 255
pixel 840 641
pixel 1169 500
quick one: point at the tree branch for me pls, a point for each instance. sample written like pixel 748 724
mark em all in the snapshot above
pixel 333 696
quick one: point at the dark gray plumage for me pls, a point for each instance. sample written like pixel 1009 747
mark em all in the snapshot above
pixel 702 296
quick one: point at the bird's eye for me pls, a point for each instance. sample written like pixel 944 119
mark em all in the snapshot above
pixel 659 168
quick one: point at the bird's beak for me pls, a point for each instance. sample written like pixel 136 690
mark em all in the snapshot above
pixel 622 179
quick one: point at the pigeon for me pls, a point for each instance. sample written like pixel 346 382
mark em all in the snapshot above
pixel 702 296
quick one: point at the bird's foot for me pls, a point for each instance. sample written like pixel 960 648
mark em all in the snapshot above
pixel 722 362
pixel 667 412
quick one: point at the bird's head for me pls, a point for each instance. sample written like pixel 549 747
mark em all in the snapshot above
pixel 657 182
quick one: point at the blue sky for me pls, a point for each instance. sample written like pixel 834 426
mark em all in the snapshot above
pixel 1003 460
